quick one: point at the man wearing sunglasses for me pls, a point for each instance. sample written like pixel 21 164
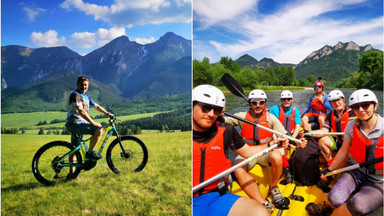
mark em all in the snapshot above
pixel 336 121
pixel 358 191
pixel 289 116
pixel 212 141
pixel 317 107
pixel 254 136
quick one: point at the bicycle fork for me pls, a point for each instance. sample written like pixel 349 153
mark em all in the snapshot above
pixel 124 154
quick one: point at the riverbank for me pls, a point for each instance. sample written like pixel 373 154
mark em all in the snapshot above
pixel 271 88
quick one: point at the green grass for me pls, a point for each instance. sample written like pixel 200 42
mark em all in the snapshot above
pixel 30 120
pixel 162 188
pixel 268 88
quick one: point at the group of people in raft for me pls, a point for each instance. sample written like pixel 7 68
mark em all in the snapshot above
pixel 356 192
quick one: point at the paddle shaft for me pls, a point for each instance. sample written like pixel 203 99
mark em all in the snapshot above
pixel 363 164
pixel 265 128
pixel 321 133
pixel 228 171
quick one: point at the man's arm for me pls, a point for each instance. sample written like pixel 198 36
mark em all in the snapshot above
pixel 85 115
pixel 102 110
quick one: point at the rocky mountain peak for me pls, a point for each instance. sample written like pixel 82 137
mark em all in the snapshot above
pixel 339 45
pixel 352 46
pixel 367 48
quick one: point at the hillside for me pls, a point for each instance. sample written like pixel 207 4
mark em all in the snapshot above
pixel 332 63
pixel 145 70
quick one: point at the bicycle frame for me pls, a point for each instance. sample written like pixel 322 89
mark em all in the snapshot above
pixel 100 145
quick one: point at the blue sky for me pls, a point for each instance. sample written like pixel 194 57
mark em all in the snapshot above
pixel 284 30
pixel 85 25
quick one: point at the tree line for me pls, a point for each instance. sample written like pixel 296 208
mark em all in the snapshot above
pixel 369 75
pixel 206 73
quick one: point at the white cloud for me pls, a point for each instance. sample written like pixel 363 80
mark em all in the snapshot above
pixel 83 39
pixel 294 31
pixel 145 40
pixel 32 12
pixel 47 39
pixel 135 12
pixel 104 36
pixel 213 11
pixel 90 9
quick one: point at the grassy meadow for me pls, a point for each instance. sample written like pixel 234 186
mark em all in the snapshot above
pixel 162 188
pixel 30 120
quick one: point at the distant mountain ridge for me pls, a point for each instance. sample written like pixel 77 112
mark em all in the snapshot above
pixel 332 63
pixel 120 63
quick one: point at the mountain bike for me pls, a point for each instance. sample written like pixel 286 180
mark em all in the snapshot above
pixel 60 161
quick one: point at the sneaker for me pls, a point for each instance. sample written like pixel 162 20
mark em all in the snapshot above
pixel 269 205
pixel 93 155
pixel 288 177
pixel 320 209
pixel 277 197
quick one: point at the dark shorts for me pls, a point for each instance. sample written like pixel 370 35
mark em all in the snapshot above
pixel 213 204
pixel 79 129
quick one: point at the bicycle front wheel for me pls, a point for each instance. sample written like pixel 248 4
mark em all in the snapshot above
pixel 47 165
pixel 134 159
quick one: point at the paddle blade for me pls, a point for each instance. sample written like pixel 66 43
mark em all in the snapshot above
pixel 233 86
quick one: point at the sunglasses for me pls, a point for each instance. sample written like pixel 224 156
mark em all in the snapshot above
pixel 365 106
pixel 258 102
pixel 318 87
pixel 286 99
pixel 207 108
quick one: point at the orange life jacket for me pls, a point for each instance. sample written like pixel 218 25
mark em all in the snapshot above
pixel 338 125
pixel 316 104
pixel 363 149
pixel 287 121
pixel 253 135
pixel 209 160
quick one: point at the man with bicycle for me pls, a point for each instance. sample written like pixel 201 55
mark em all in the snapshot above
pixel 79 122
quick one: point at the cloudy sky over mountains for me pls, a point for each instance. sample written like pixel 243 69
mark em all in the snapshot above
pixel 285 30
pixel 85 25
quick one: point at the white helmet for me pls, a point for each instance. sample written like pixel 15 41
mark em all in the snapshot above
pixel 257 93
pixel 208 94
pixel 286 94
pixel 362 95
pixel 335 94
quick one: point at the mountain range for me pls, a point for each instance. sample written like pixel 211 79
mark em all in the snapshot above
pixel 332 63
pixel 130 70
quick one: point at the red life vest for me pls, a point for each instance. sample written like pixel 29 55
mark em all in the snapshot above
pixel 209 160
pixel 287 121
pixel 316 104
pixel 361 145
pixel 253 135
pixel 338 125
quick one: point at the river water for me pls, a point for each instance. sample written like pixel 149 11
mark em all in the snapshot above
pixel 301 98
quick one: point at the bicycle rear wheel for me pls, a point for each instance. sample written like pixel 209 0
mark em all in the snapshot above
pixel 134 159
pixel 47 168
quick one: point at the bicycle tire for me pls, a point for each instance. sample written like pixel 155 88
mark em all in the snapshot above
pixel 136 155
pixel 47 171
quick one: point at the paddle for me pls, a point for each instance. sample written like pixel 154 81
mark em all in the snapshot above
pixel 363 164
pixel 228 171
pixel 327 134
pixel 262 127
pixel 233 86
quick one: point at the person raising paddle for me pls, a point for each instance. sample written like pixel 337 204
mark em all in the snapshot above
pixel 317 107
pixel 212 141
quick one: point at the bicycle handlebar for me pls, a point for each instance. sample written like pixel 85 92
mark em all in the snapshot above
pixel 112 119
